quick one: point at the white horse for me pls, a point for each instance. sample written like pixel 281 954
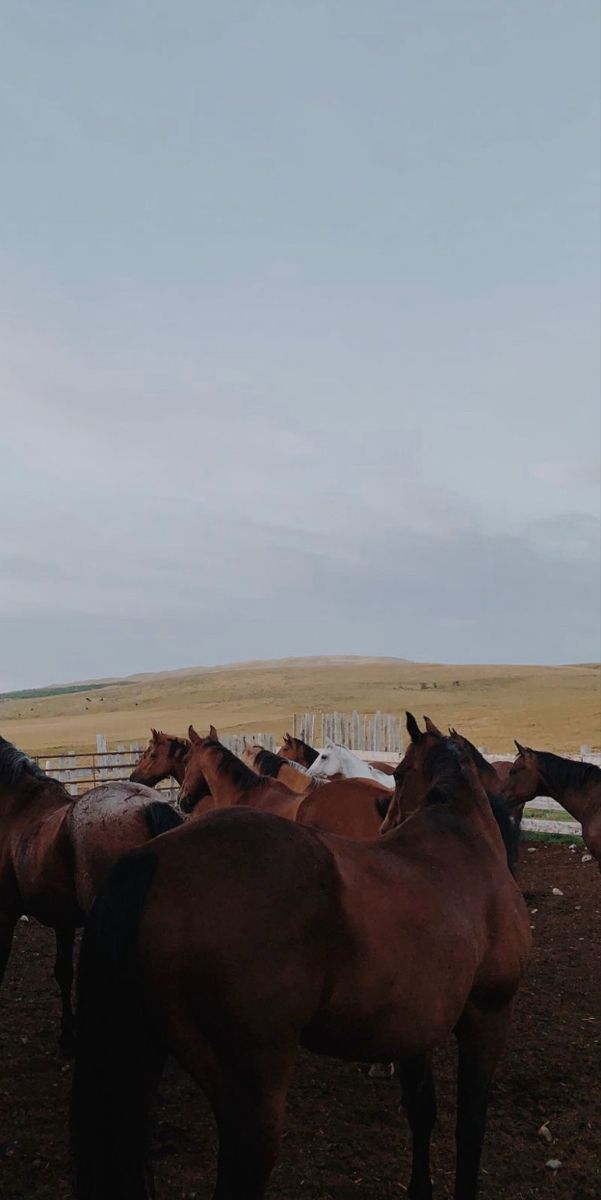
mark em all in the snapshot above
pixel 339 760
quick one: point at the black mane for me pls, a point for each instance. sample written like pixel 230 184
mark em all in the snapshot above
pixel 269 764
pixel 310 751
pixel 443 765
pixel 178 747
pixel 15 763
pixel 564 773
pixel 238 772
pixel 478 759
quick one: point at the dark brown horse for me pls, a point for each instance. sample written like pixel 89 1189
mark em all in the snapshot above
pixel 163 758
pixel 494 776
pixel 55 851
pixel 575 785
pixel 231 940
pixel 412 781
pixel 217 778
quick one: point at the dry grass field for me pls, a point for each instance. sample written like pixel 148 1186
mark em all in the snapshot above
pixel 548 707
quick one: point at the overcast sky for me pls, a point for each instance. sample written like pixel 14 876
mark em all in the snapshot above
pixel 300 325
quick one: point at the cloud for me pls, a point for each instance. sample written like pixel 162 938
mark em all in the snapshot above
pixel 564 474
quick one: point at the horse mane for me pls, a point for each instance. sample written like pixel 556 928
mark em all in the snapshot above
pixel 478 759
pixel 444 762
pixel 15 763
pixel 565 772
pixel 230 764
pixel 177 745
pixel 311 752
pixel 269 763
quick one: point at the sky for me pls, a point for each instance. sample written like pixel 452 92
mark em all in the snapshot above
pixel 299 323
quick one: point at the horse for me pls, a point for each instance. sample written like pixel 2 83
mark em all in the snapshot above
pixel 217 778
pixel 56 850
pixel 265 763
pixel 411 781
pixel 163 758
pixel 235 938
pixel 575 785
pixel 339 760
pixel 295 750
pixel 494 776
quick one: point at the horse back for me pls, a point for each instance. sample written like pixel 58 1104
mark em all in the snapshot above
pixel 347 807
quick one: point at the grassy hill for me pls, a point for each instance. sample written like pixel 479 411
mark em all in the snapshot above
pixel 549 707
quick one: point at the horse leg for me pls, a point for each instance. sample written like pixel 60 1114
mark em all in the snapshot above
pixel 419 1101
pixel 63 973
pixel 481 1038
pixel 7 926
pixel 249 1128
pixel 247 1092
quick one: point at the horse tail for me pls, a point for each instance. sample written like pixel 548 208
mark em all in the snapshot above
pixel 382 804
pixel 118 1058
pixel 160 817
pixel 509 830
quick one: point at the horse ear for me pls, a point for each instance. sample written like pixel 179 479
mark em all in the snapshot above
pixel 192 734
pixel 525 751
pixel 154 735
pixel 413 728
pixel 213 733
pixel 432 728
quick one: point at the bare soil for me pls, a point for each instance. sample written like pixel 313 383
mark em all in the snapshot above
pixel 345 1137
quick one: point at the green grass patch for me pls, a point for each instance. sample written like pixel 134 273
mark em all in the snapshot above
pixel 568 839
pixel 67 690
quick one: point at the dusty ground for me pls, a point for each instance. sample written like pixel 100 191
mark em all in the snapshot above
pixel 551 708
pixel 345 1138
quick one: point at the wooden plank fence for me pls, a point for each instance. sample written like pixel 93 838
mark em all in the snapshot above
pixel 380 733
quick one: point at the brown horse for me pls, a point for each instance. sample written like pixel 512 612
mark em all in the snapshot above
pixel 217 778
pixel 163 758
pixel 575 785
pixel 493 776
pixel 233 939
pixel 293 775
pixel 296 750
pixel 412 782
pixel 55 851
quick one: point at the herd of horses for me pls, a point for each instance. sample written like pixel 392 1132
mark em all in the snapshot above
pixel 297 898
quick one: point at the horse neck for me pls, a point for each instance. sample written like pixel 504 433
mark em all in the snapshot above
pixel 31 797
pixel 354 768
pixel 178 770
pixel 578 801
pixel 220 772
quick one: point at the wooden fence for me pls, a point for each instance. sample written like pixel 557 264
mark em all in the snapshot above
pixel 382 733
pixel 82 771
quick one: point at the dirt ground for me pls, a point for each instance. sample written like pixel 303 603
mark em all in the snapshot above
pixel 345 1137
